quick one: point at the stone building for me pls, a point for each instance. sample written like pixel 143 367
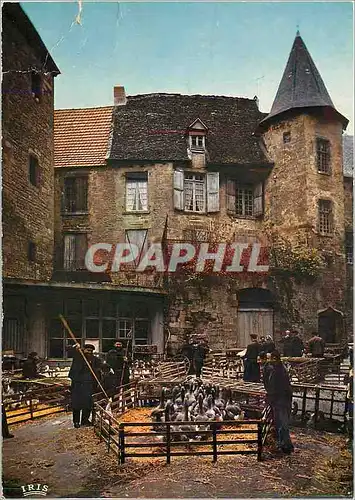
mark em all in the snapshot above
pixel 27 179
pixel 170 168
pixel 210 169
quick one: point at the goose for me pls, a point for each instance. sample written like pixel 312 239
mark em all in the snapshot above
pixel 220 403
pixel 312 419
pixel 294 408
pixel 232 409
pixel 161 407
pixel 201 416
pixel 179 401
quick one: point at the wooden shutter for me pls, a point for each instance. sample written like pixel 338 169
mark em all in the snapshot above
pixel 81 246
pixel 258 202
pixel 69 252
pixel 179 189
pixel 231 196
pixel 213 192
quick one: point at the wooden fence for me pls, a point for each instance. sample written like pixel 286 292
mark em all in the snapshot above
pixel 117 436
pixel 37 403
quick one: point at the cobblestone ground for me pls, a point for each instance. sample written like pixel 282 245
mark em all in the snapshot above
pixel 74 463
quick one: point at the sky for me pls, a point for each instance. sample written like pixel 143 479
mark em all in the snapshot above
pixel 224 48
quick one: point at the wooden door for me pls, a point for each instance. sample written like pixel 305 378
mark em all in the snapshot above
pixel 258 321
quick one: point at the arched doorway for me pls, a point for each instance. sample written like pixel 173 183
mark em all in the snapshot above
pixel 331 325
pixel 255 314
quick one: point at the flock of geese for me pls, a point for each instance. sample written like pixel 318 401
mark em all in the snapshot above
pixel 191 406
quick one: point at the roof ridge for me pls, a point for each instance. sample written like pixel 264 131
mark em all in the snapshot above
pixel 89 107
pixel 168 94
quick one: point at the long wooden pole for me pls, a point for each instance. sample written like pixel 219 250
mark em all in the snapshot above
pixel 126 353
pixel 63 320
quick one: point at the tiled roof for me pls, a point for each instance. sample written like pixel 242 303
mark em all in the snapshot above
pixel 301 85
pixel 81 136
pixel 348 155
pixel 152 127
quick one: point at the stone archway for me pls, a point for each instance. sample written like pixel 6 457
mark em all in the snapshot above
pixel 331 325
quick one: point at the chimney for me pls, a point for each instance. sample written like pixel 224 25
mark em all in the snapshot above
pixel 119 96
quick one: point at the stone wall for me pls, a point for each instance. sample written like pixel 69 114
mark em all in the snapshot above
pixel 211 304
pixel 27 128
pixel 292 194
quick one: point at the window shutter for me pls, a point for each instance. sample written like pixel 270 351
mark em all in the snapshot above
pixel 81 245
pixel 258 202
pixel 231 196
pixel 179 189
pixel 213 192
pixel 69 251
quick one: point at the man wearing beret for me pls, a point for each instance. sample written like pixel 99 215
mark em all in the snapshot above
pixel 84 384
pixel 117 359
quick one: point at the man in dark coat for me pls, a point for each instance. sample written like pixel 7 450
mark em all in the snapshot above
pixel 251 367
pixel 200 352
pixel 118 361
pixel 296 345
pixel 84 384
pixel 269 345
pixel 316 346
pixel 279 396
pixel 286 344
pixel 29 367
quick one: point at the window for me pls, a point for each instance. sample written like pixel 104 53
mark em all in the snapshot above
pixel 31 251
pixel 137 192
pixel 75 194
pixel 323 156
pixel 349 247
pixel 36 85
pixel 138 237
pixel 12 335
pixel 75 247
pixel 197 141
pixel 287 137
pixel 325 216
pixel 245 200
pixel 195 193
pixel 33 170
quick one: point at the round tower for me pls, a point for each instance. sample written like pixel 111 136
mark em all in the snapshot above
pixel 304 195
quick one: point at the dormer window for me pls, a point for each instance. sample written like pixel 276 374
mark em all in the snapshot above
pixel 196 133
pixel 197 142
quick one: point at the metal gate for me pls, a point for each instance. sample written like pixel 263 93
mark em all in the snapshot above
pixel 258 321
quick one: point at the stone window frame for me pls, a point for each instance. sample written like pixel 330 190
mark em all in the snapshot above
pixel 77 263
pixel 257 188
pixel 33 169
pixel 210 185
pixel 323 157
pixel 325 217
pixel 136 177
pixel 36 85
pixel 66 209
pixel 32 252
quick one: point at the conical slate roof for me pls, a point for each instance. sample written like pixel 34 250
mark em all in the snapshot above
pixel 301 85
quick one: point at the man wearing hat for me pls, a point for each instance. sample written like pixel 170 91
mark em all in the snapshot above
pixel 251 367
pixel 83 384
pixel 117 359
